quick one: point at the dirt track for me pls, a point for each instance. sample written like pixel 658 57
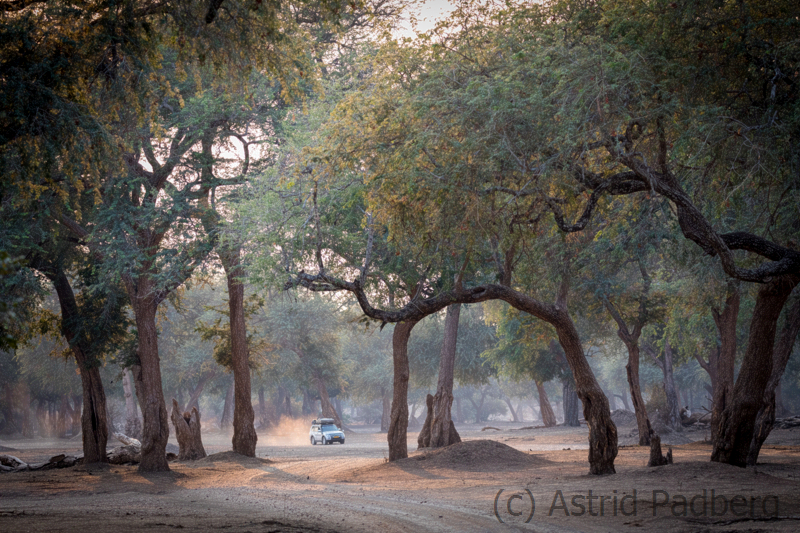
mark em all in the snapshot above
pixel 352 488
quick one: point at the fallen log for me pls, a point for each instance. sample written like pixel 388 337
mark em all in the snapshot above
pixel 490 427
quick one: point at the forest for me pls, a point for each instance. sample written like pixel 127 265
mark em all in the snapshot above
pixel 541 214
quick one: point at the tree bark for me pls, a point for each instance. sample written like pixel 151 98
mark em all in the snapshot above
pixel 424 437
pixel 631 341
pixel 133 426
pixel 94 422
pixel 722 385
pixel 442 430
pixel 570 403
pixel 513 411
pixel 187 431
pixel 672 418
pixel 155 425
pixel 328 410
pixel 244 431
pixel 783 350
pixel 194 398
pixel 398 426
pixel 737 423
pixel 545 409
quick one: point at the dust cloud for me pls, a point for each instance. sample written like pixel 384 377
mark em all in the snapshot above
pixel 288 432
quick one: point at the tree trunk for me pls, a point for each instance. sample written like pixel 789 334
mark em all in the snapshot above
pixel 442 430
pixel 737 423
pixel 194 397
pixel 133 426
pixel 187 431
pixel 424 438
pixel 632 371
pixel 328 410
pixel 570 403
pixel 386 414
pixel 155 426
pixel 783 350
pixel 308 403
pixel 94 423
pixel 725 362
pixel 244 432
pixel 226 420
pixel 545 409
pixel 673 419
pixel 398 427
pixel 513 411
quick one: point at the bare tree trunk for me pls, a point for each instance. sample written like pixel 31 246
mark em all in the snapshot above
pixel 155 426
pixel 307 407
pixel 133 426
pixel 726 325
pixel 737 423
pixel 328 410
pixel 244 431
pixel 398 427
pixel 226 420
pixel 443 431
pixel 570 403
pixel 672 417
pixel 194 398
pixel 513 411
pixel 780 408
pixel 187 431
pixel 386 414
pixel 94 423
pixel 545 409
pixel 783 350
pixel 424 437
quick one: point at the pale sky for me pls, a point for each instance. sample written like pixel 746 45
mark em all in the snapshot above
pixel 427 14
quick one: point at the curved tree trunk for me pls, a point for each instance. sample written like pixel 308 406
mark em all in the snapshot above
pixel 737 423
pixel 328 410
pixel 442 430
pixel 513 411
pixel 783 350
pixel 722 385
pixel 545 409
pixel 94 422
pixel 244 431
pixel 398 426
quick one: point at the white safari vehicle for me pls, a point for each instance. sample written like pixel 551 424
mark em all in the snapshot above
pixel 324 430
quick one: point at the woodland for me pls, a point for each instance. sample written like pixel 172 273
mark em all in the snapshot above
pixel 268 209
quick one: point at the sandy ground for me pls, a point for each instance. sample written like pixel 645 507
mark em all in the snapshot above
pixel 293 486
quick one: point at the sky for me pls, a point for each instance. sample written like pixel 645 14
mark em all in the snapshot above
pixel 427 14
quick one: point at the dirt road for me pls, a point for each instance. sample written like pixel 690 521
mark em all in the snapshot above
pixel 351 487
